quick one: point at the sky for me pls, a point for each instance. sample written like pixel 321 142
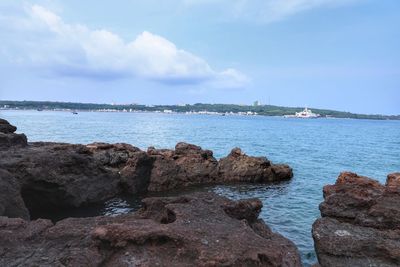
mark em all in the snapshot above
pixel 336 54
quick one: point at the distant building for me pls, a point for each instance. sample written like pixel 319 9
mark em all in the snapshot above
pixel 257 103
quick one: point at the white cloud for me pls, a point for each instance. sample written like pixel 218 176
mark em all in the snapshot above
pixel 265 10
pixel 75 50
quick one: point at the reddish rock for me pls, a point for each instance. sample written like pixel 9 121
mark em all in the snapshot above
pixel 185 166
pixel 393 180
pixel 189 165
pixel 131 164
pixel 55 176
pixel 360 224
pixel 192 230
pixel 238 167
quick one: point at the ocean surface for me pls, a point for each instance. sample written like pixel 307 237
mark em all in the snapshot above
pixel 317 149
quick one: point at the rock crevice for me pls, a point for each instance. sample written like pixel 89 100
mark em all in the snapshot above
pixel 202 233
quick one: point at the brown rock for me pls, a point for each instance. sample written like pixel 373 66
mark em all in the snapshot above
pixel 393 180
pixel 54 176
pixel 185 166
pixel 360 224
pixel 200 233
pixel 132 164
pixel 238 167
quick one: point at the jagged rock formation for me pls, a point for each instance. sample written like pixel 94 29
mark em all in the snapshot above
pixel 239 167
pixel 54 176
pixel 8 138
pixel 186 165
pixel 360 224
pixel 198 230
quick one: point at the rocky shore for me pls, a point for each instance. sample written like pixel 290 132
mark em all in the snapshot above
pixel 360 224
pixel 201 229
pixel 48 176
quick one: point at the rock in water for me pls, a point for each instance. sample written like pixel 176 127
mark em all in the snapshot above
pixel 238 167
pixel 8 138
pixel 54 176
pixel 6 127
pixel 185 166
pixel 360 224
pixel 198 230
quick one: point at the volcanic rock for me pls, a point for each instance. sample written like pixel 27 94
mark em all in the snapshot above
pixel 185 166
pixel 6 127
pixel 360 224
pixel 50 177
pixel 191 230
pixel 238 167
pixel 8 138
pixel 132 164
pixel 11 203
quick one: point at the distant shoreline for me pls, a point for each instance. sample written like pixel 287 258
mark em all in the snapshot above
pixel 201 109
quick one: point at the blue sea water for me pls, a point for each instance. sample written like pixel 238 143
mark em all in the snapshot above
pixel 318 150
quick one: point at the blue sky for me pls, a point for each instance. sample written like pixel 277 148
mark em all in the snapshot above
pixel 338 54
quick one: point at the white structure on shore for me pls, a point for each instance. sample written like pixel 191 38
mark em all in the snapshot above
pixel 305 114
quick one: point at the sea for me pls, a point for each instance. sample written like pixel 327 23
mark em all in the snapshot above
pixel 317 150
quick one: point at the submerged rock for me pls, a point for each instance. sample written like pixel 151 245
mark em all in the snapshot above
pixel 198 230
pixel 360 224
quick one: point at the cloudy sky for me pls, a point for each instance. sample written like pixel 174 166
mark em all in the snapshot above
pixel 339 54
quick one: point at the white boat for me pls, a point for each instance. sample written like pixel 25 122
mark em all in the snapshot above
pixel 305 114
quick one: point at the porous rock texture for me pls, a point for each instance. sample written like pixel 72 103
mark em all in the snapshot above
pixel 46 176
pixel 360 224
pixel 202 229
pixel 239 167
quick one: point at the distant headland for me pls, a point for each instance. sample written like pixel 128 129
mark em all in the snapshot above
pixel 198 108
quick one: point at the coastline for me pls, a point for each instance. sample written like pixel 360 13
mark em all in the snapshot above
pixel 69 174
pixel 199 114
pixel 203 109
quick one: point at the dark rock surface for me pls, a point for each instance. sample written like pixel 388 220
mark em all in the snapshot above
pixel 360 224
pixel 185 166
pixel 8 138
pixel 198 230
pixel 6 127
pixel 132 165
pixel 238 167
pixel 11 203
pixel 53 176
